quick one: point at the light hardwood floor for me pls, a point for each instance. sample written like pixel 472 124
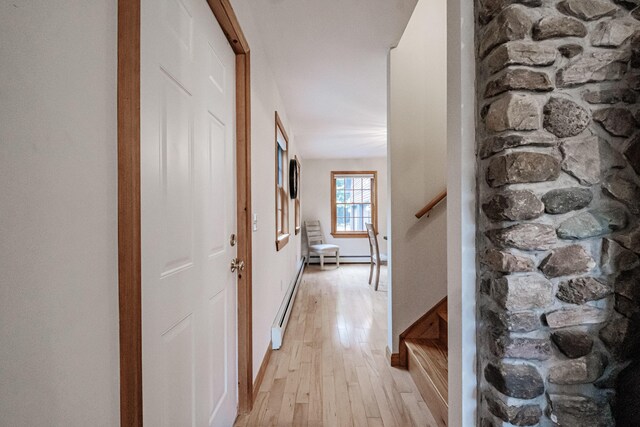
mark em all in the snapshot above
pixel 332 369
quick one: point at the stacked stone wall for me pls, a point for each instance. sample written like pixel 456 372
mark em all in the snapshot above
pixel 559 206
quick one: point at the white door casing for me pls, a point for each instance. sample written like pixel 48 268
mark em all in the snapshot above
pixel 188 212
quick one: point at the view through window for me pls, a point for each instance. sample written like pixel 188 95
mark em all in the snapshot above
pixel 353 203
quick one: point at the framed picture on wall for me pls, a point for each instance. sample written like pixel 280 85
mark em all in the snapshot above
pixel 294 190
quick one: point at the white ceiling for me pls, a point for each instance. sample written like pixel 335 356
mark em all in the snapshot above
pixel 329 58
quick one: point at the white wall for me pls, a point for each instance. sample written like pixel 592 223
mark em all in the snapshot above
pixel 316 200
pixel 272 270
pixel 58 288
pixel 461 213
pixel 417 155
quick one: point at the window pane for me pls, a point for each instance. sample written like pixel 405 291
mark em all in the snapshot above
pixel 280 174
pixel 359 226
pixel 348 196
pixel 367 220
pixel 339 182
pixel 357 196
pixel 348 211
pixel 366 184
pixel 367 211
pixel 357 210
pixel 366 196
pixel 357 183
pixel 340 196
pixel 348 183
pixel 340 211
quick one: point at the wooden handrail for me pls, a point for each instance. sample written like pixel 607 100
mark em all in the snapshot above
pixel 432 204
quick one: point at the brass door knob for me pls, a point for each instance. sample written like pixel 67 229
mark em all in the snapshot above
pixel 237 265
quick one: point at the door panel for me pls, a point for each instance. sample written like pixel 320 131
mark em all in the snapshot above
pixel 188 213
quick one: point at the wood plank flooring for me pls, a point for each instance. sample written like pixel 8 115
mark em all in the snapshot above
pixel 332 369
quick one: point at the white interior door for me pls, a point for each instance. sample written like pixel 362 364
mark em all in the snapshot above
pixel 188 214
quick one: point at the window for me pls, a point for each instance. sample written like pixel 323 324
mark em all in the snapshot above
pixel 282 197
pixel 353 203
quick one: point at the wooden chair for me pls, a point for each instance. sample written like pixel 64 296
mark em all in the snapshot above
pixel 317 245
pixel 377 259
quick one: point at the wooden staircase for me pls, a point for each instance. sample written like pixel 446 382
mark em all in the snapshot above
pixel 424 348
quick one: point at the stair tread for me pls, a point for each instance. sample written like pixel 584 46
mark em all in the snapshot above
pixel 433 359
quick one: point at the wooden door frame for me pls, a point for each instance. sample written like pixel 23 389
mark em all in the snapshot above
pixel 129 219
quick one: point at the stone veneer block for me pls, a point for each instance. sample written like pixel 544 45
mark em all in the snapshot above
pixel 630 239
pixel 520 53
pixel 616 258
pixel 564 118
pixel 506 346
pixel 520 381
pixel 519 79
pixel 517 293
pixel 593 67
pixel 633 154
pixel 575 316
pixel 596 222
pixel 518 321
pixel 613 33
pixel 614 333
pixel 505 262
pixel 522 167
pixel 626 307
pixel 525 415
pixel 565 200
pixel 527 237
pixel 623 190
pixel 583 370
pixel 581 159
pixel 515 205
pixel 499 143
pixel 513 23
pixel 570 50
pixel 610 96
pixel 617 121
pixel 635 51
pixel 566 261
pixel 582 290
pixel 490 8
pixel 573 344
pixel 588 10
pixel 552 27
pixel 514 111
pixel 577 411
pixel 628 284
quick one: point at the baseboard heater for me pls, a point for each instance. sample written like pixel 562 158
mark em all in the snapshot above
pixel 280 324
pixel 344 259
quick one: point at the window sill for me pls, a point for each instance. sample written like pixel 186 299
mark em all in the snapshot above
pixel 282 241
pixel 349 235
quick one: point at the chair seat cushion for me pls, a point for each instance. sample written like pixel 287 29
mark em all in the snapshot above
pixel 324 248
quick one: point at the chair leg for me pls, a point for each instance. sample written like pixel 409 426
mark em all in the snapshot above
pixel 338 258
pixel 371 272
pixel 321 262
pixel 377 276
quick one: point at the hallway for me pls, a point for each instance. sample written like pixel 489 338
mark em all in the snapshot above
pixel 332 369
